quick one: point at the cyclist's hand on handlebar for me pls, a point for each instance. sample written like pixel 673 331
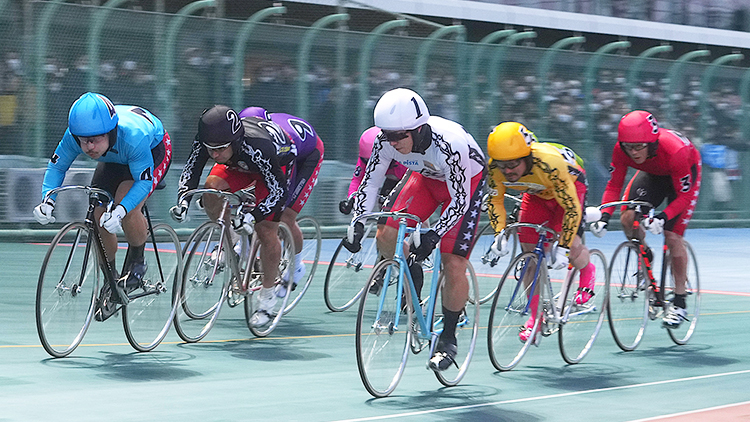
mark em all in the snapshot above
pixel 655 225
pixel 599 228
pixel 43 212
pixel 428 241
pixel 112 220
pixel 246 222
pixel 179 211
pixel 353 240
pixel 500 246
pixel 346 205
pixel 561 258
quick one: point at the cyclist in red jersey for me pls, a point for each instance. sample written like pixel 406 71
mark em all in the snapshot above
pixel 669 167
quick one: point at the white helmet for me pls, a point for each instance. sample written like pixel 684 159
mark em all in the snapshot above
pixel 400 109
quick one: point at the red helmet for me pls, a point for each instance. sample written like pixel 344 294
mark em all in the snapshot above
pixel 637 127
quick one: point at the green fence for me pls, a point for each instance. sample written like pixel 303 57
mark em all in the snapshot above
pixel 331 73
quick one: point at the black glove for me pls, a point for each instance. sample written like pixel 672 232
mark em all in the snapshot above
pixel 345 206
pixel 356 244
pixel 428 242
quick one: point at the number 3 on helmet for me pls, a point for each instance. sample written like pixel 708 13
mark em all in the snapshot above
pixel 638 127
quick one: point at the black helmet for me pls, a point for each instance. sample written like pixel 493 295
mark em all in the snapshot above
pixel 219 125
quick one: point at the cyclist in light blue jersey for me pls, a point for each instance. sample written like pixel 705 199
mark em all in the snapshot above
pixel 134 153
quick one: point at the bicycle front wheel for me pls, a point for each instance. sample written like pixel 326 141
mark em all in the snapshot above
pixel 66 290
pixel 312 243
pixel 348 273
pixel 204 282
pixel 255 272
pixel 582 322
pixel 682 334
pixel 148 316
pixel 511 311
pixel 383 331
pixel 467 330
pixel 629 291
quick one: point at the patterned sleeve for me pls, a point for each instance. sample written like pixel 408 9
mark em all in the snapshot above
pixel 367 194
pixel 264 157
pixel 458 181
pixel 618 170
pixel 496 205
pixel 193 169
pixel 359 172
pixel 685 177
pixel 564 190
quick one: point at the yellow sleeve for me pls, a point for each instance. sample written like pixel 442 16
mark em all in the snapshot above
pixel 563 187
pixel 496 205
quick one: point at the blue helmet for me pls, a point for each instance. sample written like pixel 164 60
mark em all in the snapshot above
pixel 91 115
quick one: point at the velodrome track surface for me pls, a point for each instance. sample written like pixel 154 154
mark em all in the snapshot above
pixel 306 370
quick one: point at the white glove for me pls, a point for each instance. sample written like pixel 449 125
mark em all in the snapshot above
pixel 561 258
pixel 599 229
pixel 43 212
pixel 247 222
pixel 654 225
pixel 112 221
pixel 179 211
pixel 500 246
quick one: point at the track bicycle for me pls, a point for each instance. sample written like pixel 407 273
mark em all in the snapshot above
pixel 577 326
pixel 214 273
pixel 636 296
pixel 76 268
pixel 395 321
pixel 487 263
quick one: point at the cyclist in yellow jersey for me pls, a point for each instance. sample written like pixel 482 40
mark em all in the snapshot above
pixel 554 186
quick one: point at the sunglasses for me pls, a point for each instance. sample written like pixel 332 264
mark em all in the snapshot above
pixel 217 148
pixel 507 165
pixel 395 136
pixel 633 147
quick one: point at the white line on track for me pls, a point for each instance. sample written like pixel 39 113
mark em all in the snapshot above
pixel 551 396
pixel 708 409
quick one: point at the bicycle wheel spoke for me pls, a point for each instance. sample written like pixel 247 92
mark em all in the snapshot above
pixel 348 273
pixel 310 254
pixel 582 322
pixel 205 278
pixel 682 334
pixel 383 332
pixel 148 316
pixel 467 330
pixel 627 309
pixel 66 291
pixel 510 313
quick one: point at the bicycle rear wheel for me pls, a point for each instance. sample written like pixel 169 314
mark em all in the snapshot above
pixel 66 290
pixel 255 270
pixel 511 310
pixel 682 335
pixel 312 243
pixel 383 331
pixel 204 282
pixel 148 316
pixel 487 266
pixel 348 272
pixel 629 291
pixel 466 330
pixel 582 322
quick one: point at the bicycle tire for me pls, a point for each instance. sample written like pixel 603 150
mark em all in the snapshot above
pixel 466 331
pixel 204 283
pixel 582 322
pixel 348 272
pixel 312 243
pixel 382 343
pixel 148 316
pixel 682 335
pixel 63 309
pixel 629 295
pixel 256 275
pixel 508 313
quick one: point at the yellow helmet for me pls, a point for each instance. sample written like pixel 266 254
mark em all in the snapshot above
pixel 510 141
